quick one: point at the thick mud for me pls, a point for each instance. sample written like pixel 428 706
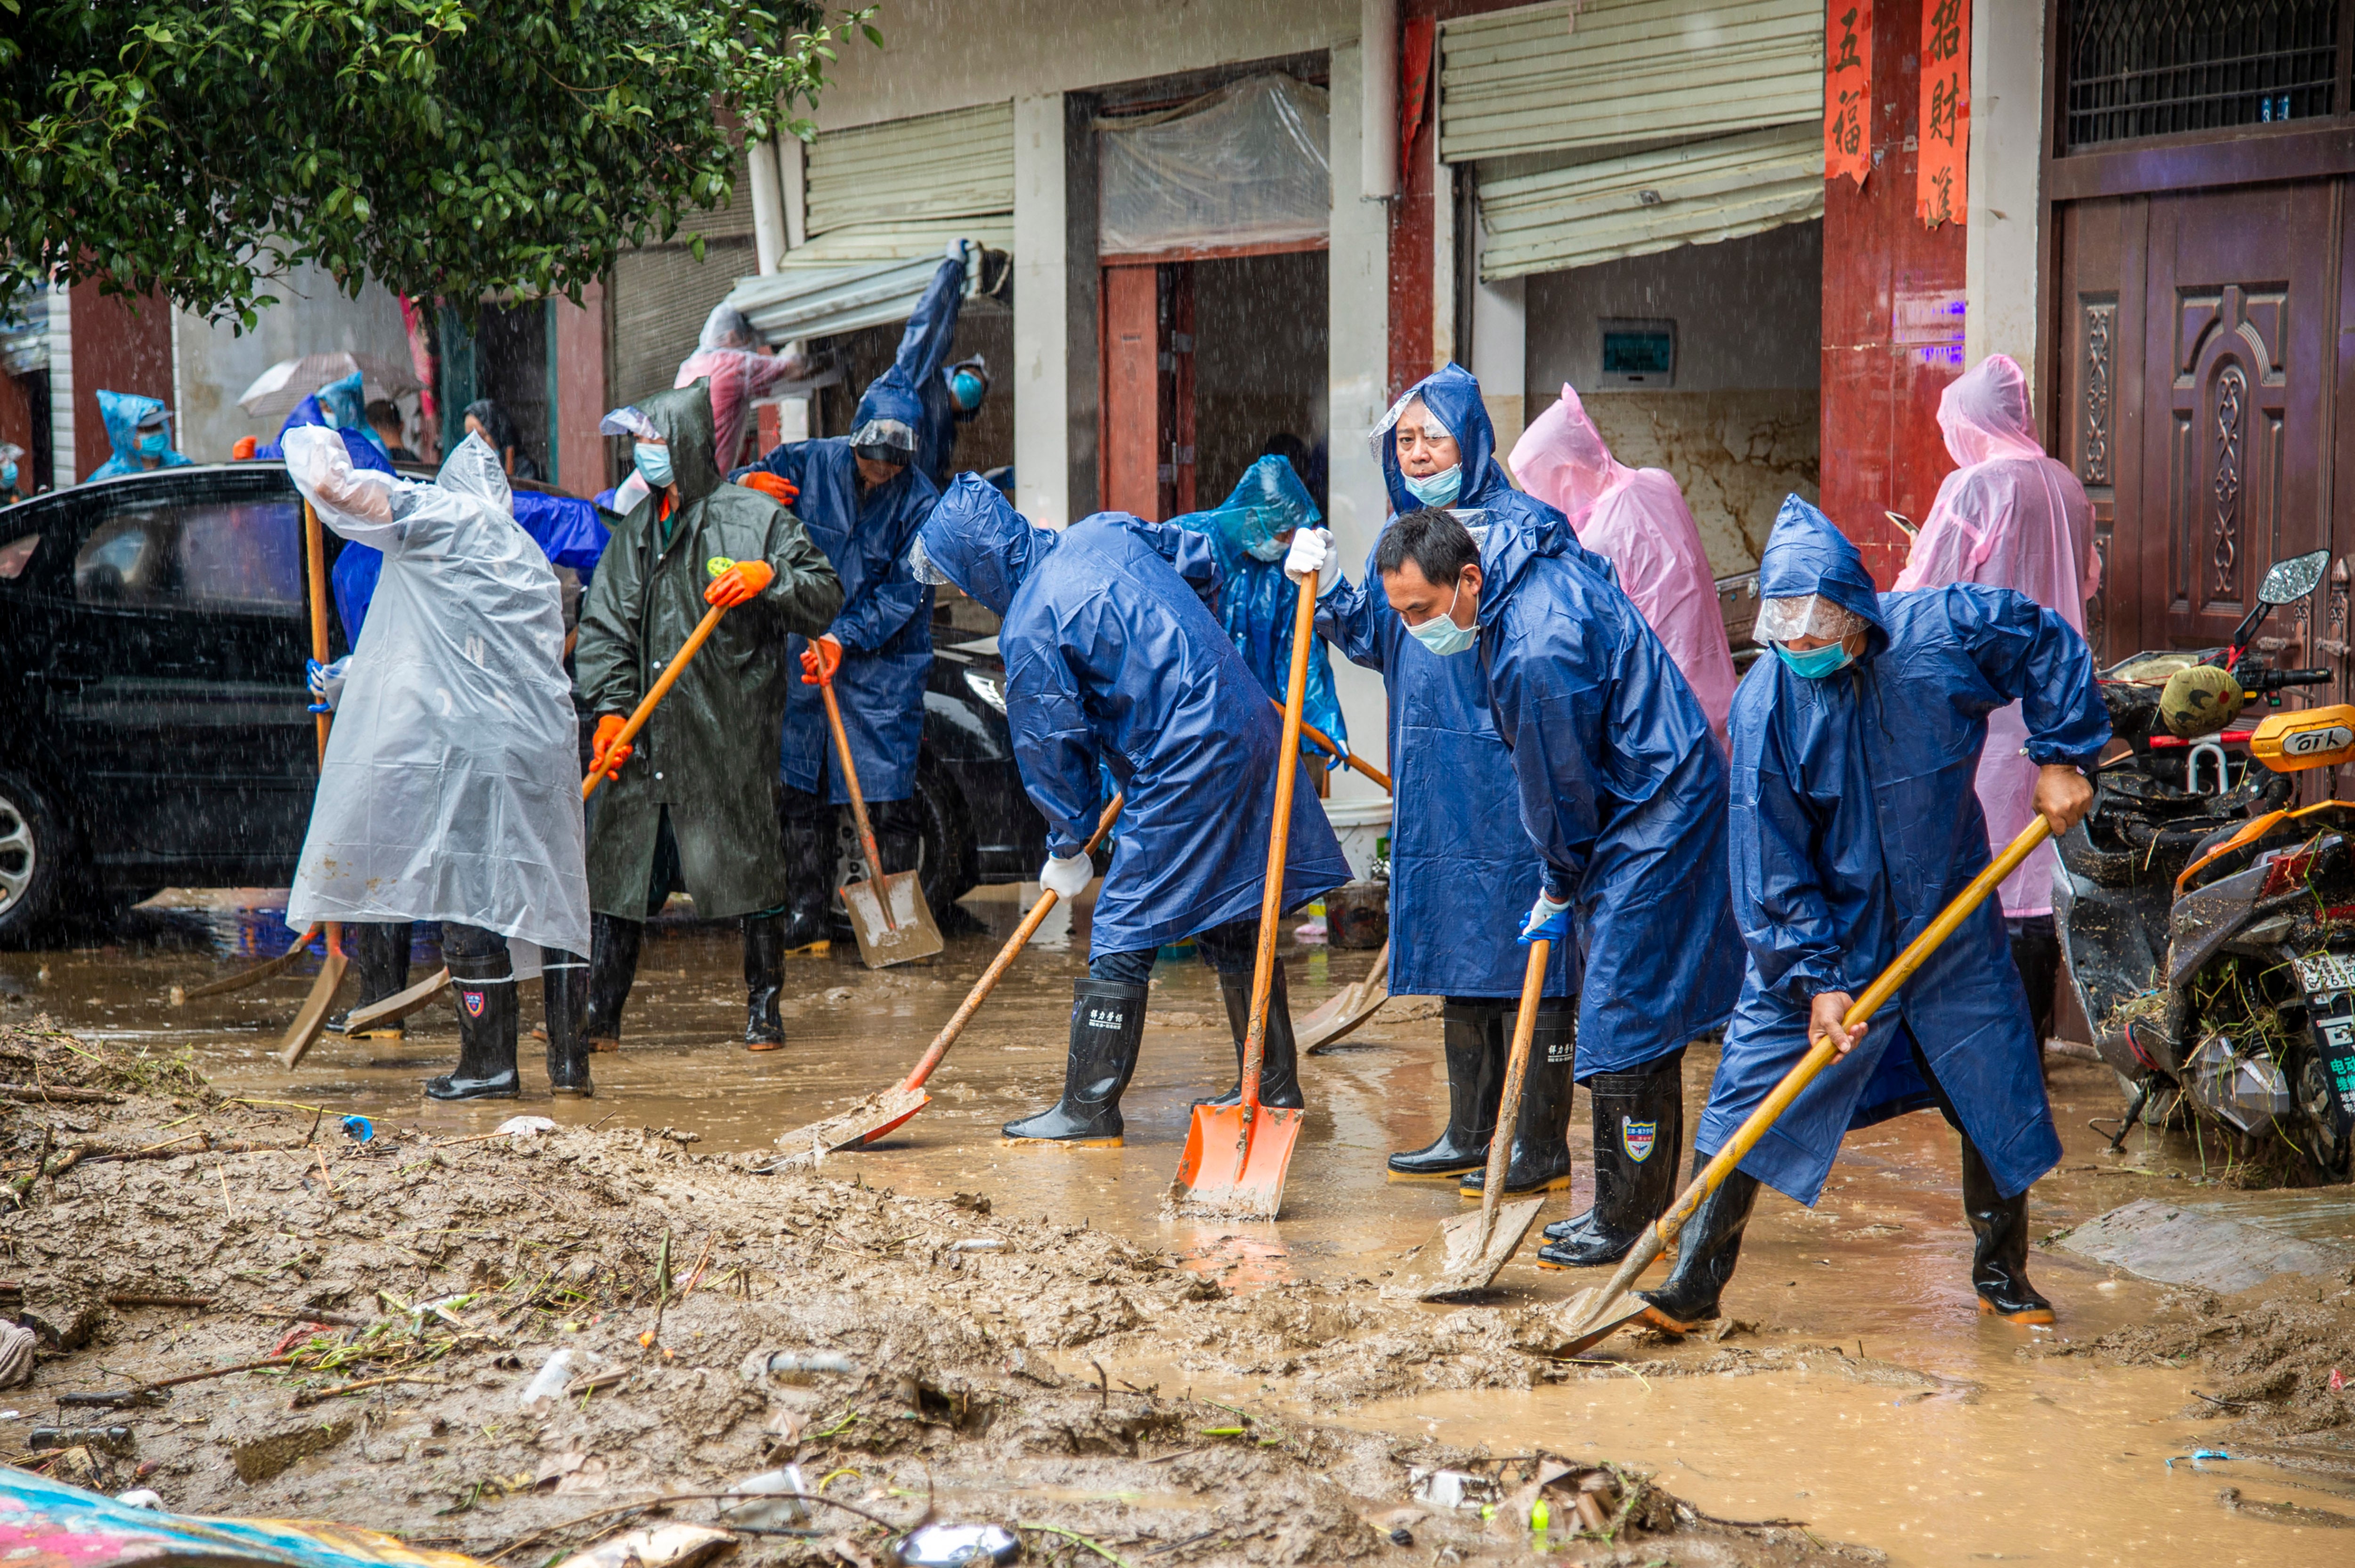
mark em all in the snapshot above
pixel 1854 1390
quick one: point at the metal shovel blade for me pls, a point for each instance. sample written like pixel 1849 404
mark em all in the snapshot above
pixel 1347 1008
pixel 1594 1315
pixel 1226 1173
pixel 863 1123
pixel 1463 1263
pixel 304 1032
pixel 907 933
pixel 394 1008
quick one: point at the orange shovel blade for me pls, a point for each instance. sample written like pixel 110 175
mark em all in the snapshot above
pixel 1229 1172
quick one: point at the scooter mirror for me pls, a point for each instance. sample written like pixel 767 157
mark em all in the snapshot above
pixel 2290 581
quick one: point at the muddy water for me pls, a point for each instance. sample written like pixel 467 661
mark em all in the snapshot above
pixel 1993 1444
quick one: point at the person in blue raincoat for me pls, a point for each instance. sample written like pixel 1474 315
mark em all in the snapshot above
pixel 949 395
pixel 862 497
pixel 1114 661
pixel 1248 535
pixel 1461 869
pixel 137 428
pixel 1855 821
pixel 1622 789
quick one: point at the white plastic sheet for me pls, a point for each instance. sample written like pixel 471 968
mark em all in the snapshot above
pixel 452 785
pixel 1244 165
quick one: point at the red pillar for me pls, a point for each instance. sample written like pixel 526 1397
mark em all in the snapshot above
pixel 581 402
pixel 121 345
pixel 1132 437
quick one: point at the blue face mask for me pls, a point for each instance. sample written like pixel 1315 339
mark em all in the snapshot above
pixel 155 443
pixel 654 462
pixel 1438 489
pixel 1816 663
pixel 1441 635
pixel 966 390
pixel 8 476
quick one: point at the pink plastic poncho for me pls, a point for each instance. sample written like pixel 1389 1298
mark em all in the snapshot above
pixel 1636 518
pixel 2009 518
pixel 739 375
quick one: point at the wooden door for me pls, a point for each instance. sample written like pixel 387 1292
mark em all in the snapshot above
pixel 1130 439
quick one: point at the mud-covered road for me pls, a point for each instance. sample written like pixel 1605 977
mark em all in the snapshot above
pixel 1088 1370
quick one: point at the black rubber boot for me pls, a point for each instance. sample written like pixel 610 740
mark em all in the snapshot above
pixel 1279 1067
pixel 379 954
pixel 1638 1143
pixel 2000 1255
pixel 564 999
pixel 1540 1159
pixel 613 966
pixel 1472 1034
pixel 1708 1247
pixel 764 979
pixel 482 983
pixel 809 841
pixel 1107 1027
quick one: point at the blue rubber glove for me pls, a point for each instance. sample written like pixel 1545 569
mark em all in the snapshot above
pixel 1546 919
pixel 326 682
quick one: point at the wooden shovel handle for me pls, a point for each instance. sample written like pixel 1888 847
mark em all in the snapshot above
pixel 1340 754
pixel 867 847
pixel 315 564
pixel 999 965
pixel 663 683
pixel 1279 836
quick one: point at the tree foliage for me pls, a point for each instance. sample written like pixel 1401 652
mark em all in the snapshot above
pixel 450 148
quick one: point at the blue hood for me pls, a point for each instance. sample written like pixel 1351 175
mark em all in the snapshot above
pixel 1806 554
pixel 1269 500
pixel 122 412
pixel 980 542
pixel 1513 543
pixel 1453 398
pixel 890 396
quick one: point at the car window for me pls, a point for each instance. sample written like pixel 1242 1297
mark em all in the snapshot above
pixel 16 555
pixel 214 555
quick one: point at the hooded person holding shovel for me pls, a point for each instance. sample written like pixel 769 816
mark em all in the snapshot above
pixel 1855 822
pixel 695 809
pixel 1114 661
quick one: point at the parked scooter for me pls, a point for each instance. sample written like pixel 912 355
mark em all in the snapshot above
pixel 2209 926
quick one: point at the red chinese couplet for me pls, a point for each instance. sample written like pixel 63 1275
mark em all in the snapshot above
pixel 1847 88
pixel 1942 180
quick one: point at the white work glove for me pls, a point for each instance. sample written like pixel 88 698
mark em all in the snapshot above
pixel 960 250
pixel 1312 550
pixel 1067 876
pixel 321 467
pixel 1547 918
pixel 326 682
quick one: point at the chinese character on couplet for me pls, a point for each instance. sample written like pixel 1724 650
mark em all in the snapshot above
pixel 1942 38
pixel 1942 208
pixel 1848 58
pixel 1946 103
pixel 1847 124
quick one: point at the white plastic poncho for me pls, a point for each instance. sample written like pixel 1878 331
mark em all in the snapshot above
pixel 1637 519
pixel 2010 517
pixel 451 785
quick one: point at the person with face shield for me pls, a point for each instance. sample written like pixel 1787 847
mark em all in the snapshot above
pixel 731 357
pixel 1621 789
pixel 449 790
pixel 1114 661
pixel 1855 822
pixel 694 810
pixel 2010 517
pixel 138 429
pixel 1637 520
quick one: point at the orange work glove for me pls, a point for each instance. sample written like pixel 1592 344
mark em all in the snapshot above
pixel 820 660
pixel 244 450
pixel 775 486
pixel 609 728
pixel 741 582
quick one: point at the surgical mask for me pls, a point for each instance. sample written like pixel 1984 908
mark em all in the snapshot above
pixel 8 475
pixel 153 442
pixel 1438 489
pixel 1441 635
pixel 1816 663
pixel 966 391
pixel 654 462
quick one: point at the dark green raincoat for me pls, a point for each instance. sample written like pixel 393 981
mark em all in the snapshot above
pixel 709 751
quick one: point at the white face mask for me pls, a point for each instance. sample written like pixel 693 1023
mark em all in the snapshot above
pixel 1441 635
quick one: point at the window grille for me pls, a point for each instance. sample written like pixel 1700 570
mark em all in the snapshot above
pixel 2147 67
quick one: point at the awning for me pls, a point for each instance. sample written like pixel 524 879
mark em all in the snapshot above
pixel 858 277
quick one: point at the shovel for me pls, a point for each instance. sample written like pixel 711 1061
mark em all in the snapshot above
pixel 881 1112
pixel 1473 1247
pixel 1343 1012
pixel 313 1018
pixel 1236 1156
pixel 1592 1315
pixel 399 1005
pixel 1342 756
pixel 887 913
pixel 267 969
pixel 663 683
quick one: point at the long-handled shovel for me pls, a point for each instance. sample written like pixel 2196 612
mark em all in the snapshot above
pixel 313 1018
pixel 1592 1315
pixel 397 1007
pixel 660 688
pixel 1473 1247
pixel 887 913
pixel 268 968
pixel 1236 1156
pixel 881 1112
pixel 1352 1004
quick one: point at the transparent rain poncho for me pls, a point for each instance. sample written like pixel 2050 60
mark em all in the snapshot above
pixel 451 785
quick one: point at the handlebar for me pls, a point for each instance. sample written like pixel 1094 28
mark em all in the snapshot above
pixel 2277 680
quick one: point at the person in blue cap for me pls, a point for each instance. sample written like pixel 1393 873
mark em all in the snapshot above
pixel 1855 821
pixel 1622 789
pixel 1462 870
pixel 1114 662
pixel 138 429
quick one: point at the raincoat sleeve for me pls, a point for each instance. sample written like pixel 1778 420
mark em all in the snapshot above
pixel 805 592
pixel 2030 656
pixel 357 504
pixel 1054 745
pixel 887 597
pixel 1552 714
pixel 606 661
pixel 1193 555
pixel 1778 899
pixel 1351 620
pixel 924 346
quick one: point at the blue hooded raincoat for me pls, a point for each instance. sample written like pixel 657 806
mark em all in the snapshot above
pixel 1854 822
pixel 1622 788
pixel 1112 655
pixel 122 412
pixel 923 353
pixel 1463 872
pixel 1256 600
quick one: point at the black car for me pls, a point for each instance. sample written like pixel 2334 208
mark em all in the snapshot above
pixel 155 728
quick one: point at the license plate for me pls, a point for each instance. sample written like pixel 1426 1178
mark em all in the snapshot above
pixel 2326 971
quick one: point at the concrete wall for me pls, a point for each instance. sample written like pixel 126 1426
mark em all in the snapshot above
pixel 2001 240
pixel 312 316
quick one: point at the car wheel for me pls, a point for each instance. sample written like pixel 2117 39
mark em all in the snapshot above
pixel 944 859
pixel 34 848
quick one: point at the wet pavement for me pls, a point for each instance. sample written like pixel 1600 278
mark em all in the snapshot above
pixel 2018 1447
